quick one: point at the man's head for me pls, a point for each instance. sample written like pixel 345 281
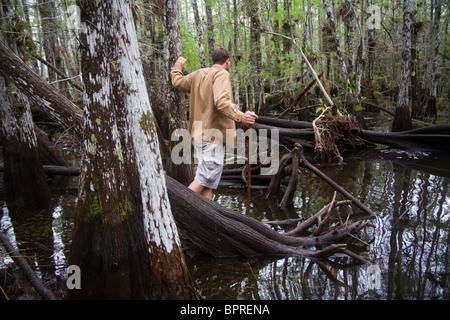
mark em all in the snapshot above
pixel 221 56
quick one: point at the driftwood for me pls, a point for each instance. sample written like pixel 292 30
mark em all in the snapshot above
pixel 45 292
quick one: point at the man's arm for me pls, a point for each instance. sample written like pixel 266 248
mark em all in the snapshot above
pixel 224 103
pixel 180 81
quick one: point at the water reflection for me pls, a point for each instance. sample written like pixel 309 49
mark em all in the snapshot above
pixel 409 243
pixel 59 256
pixel 41 236
pixel 7 229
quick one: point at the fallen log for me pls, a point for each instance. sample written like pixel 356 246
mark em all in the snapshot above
pixel 434 139
pixel 284 123
pixel 57 170
pixel 57 107
pixel 221 232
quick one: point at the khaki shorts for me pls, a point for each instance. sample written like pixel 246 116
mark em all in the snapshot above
pixel 210 164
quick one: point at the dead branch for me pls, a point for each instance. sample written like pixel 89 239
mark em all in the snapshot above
pixel 45 292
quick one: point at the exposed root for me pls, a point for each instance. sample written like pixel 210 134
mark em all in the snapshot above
pixel 331 130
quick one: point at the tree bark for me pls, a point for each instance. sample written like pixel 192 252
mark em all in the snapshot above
pixel 256 57
pixel 51 32
pixel 236 53
pixel 416 105
pixel 25 181
pixel 402 118
pixel 431 109
pixel 347 86
pixel 174 100
pixel 210 30
pixel 125 240
pixel 201 47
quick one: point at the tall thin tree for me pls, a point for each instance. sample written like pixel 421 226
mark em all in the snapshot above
pixel 431 108
pixel 201 47
pixel 402 117
pixel 174 100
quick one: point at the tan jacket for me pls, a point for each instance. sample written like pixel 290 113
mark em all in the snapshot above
pixel 211 104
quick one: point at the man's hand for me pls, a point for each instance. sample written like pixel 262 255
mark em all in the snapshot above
pixel 249 117
pixel 180 63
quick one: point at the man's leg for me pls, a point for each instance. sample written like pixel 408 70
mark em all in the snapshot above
pixel 209 169
pixel 207 193
pixel 196 187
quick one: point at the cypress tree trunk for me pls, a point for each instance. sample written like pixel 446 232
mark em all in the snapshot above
pixel 431 109
pixel 201 47
pixel 402 118
pixel 174 100
pixel 125 240
pixel 416 105
pixel 51 31
pixel 25 181
pixel 210 29
pixel 350 98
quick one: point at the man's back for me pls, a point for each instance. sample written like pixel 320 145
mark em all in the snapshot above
pixel 211 102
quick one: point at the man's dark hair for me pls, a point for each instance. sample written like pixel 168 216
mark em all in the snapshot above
pixel 220 55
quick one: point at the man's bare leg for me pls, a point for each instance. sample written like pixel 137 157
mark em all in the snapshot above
pixel 196 187
pixel 207 193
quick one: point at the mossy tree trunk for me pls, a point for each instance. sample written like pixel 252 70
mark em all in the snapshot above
pixel 125 240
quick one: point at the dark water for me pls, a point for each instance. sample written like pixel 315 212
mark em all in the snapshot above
pixel 408 243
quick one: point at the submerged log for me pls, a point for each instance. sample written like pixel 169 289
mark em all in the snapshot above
pixel 296 158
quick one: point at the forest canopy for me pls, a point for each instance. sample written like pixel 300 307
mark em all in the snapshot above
pixel 267 69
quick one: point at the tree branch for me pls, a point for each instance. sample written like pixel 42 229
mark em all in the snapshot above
pixel 46 293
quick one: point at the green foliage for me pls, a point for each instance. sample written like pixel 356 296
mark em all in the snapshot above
pixel 190 47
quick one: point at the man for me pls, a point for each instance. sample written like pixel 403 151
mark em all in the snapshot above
pixel 212 116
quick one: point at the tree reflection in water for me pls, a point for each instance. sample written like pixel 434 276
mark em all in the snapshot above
pixel 409 241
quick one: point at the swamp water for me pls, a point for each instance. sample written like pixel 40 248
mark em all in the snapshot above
pixel 408 245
